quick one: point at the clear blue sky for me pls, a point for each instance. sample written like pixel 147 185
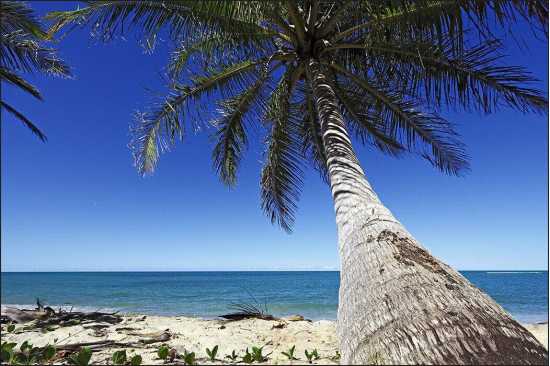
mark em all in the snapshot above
pixel 76 202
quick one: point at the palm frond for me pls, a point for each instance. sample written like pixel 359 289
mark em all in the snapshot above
pixel 17 16
pixel 28 123
pixel 157 129
pixel 407 19
pixel 214 50
pixel 409 126
pixel 184 18
pixel 472 80
pixel 19 82
pixel 20 52
pixel 365 121
pixel 312 138
pixel 231 133
pixel 281 174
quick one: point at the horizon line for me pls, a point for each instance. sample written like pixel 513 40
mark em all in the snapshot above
pixel 248 270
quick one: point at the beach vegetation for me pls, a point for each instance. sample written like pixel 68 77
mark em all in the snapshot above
pixel 10 328
pixel 24 49
pixel 7 354
pixel 248 357
pixel 27 354
pixel 233 356
pixel 81 358
pixel 212 353
pixel 257 354
pixel 48 352
pixel 119 357
pixel 290 353
pixel 311 356
pixel 321 78
pixel 136 360
pixel 163 351
pixel 189 358
pixel 336 357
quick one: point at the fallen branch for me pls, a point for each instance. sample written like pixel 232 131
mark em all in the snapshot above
pixel 46 316
pixel 165 336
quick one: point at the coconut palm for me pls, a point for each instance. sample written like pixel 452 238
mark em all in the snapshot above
pixel 22 38
pixel 319 75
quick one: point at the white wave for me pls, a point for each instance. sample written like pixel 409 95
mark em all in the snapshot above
pixel 508 272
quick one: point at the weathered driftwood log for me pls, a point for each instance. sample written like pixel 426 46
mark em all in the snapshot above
pixel 22 315
pixel 96 345
pixel 46 316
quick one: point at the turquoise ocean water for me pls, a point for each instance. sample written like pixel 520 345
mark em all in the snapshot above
pixel 208 294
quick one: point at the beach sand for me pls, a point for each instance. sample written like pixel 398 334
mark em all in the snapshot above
pixel 540 331
pixel 194 335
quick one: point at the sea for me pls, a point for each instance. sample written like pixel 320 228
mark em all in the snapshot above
pixel 524 294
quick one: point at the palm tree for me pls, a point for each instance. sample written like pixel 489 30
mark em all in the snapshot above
pixel 22 49
pixel 318 75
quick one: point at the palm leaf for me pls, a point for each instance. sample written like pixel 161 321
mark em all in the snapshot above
pixel 312 138
pixel 231 134
pixel 184 18
pixel 19 82
pixel 30 125
pixel 157 129
pixel 367 123
pixel 19 52
pixel 281 174
pixel 16 16
pixel 407 124
pixel 473 80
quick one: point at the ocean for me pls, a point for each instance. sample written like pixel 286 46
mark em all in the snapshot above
pixel 209 294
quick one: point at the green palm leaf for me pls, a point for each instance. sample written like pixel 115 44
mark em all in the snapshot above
pixel 16 16
pixel 281 174
pixel 28 123
pixel 23 50
pixel 18 81
pixel 313 147
pixel 473 80
pixel 19 52
pixel 407 124
pixel 395 63
pixel 156 130
pixel 231 134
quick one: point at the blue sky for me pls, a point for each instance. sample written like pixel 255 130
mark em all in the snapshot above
pixel 76 202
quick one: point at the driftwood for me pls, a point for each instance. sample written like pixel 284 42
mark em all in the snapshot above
pixel 23 316
pixel 46 316
pixel 97 345
pixel 163 337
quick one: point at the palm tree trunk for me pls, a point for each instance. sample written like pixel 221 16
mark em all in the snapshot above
pixel 397 303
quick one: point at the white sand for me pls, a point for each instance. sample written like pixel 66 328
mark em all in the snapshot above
pixel 540 331
pixel 194 335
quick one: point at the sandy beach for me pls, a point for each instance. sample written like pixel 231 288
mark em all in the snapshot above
pixel 195 335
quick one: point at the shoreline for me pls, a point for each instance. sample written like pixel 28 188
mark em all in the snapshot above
pixel 194 334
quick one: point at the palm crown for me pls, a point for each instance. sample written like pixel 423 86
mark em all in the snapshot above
pixel 22 50
pixel 393 64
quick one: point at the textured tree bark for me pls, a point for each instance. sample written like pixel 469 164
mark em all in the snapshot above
pixel 397 303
